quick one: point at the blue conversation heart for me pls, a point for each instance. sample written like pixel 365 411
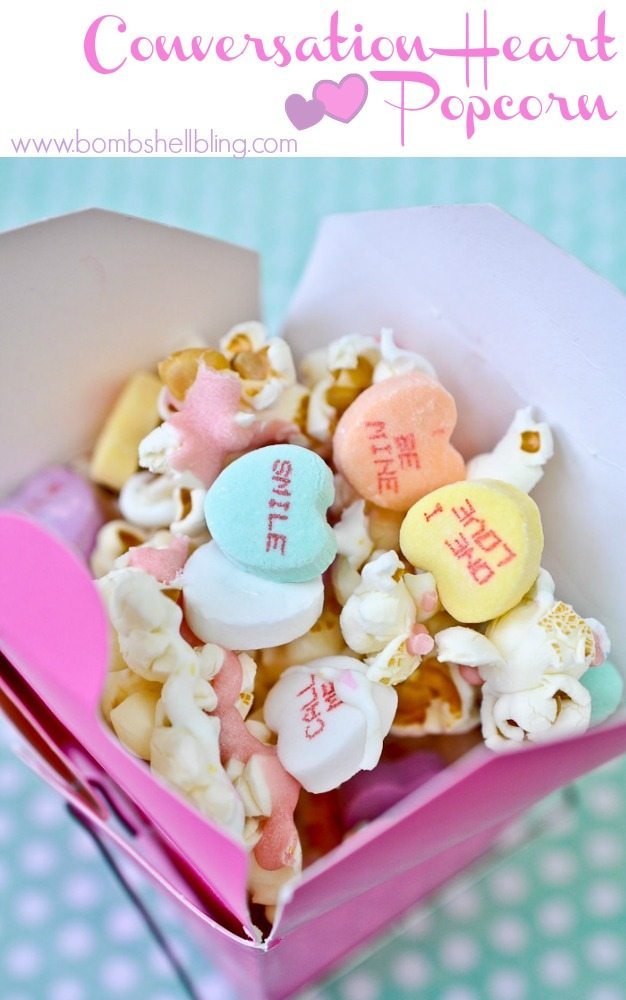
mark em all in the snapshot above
pixel 267 513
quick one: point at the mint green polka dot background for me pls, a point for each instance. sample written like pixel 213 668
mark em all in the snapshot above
pixel 543 920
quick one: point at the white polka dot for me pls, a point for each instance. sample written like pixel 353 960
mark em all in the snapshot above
pixel 7 828
pixel 464 906
pixel 556 916
pixel 82 846
pixel 605 899
pixel 360 986
pixel 23 961
pixel 213 987
pixel 75 940
pixel 606 992
pixel 458 993
pixel 603 849
pixel 558 867
pixel 604 800
pixel 67 989
pixel 32 908
pixel 605 951
pixel 459 952
pixel 82 891
pixel 419 925
pixel 411 970
pixel 509 934
pixel 39 857
pixel 557 968
pixel 509 885
pixel 11 778
pixel 507 984
pixel 119 973
pixel 4 874
pixel 124 924
pixel 46 810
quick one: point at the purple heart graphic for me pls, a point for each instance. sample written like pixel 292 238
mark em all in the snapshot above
pixel 342 101
pixel 303 113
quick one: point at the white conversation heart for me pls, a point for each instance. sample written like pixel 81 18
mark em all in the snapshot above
pixel 330 720
pixel 239 610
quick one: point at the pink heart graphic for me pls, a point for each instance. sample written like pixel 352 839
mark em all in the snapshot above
pixel 342 101
pixel 303 113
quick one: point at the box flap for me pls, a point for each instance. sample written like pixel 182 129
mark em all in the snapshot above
pixel 97 295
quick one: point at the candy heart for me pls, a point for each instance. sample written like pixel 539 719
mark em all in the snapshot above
pixel 267 512
pixel 482 541
pixel 226 605
pixel 392 443
pixel 62 501
pixel 134 415
pixel 370 793
pixel 330 719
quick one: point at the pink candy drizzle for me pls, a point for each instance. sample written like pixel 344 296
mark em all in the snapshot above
pixel 207 428
pixel 163 564
pixel 279 837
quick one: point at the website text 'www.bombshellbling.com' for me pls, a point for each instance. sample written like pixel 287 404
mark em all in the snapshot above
pixel 187 142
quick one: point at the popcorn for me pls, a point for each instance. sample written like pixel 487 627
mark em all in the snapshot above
pixel 179 371
pixel 380 609
pixel 436 699
pixel 114 539
pixel 352 534
pixel 264 363
pixel 519 458
pixel 395 361
pixel 336 381
pixel 242 673
pixel 531 660
pixel 148 501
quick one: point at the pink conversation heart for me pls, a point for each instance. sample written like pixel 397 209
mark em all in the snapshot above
pixel 342 101
pixel 303 113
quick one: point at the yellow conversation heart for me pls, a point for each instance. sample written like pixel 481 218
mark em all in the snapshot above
pixel 134 415
pixel 482 541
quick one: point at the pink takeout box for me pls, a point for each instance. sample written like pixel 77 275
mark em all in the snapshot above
pixel 506 318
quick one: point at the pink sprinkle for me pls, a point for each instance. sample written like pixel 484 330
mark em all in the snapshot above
pixel 429 600
pixel 163 564
pixel 420 642
pixel 471 675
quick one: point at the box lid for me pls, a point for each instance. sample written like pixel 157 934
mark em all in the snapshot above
pixel 97 295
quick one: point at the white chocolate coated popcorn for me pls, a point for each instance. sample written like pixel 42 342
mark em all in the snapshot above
pixel 536 650
pixel 396 361
pixel 184 747
pixel 352 534
pixel 148 500
pixel 380 609
pixel 519 458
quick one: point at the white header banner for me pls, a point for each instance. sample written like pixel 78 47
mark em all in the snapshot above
pixel 345 78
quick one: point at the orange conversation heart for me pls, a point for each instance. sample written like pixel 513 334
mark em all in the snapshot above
pixel 393 443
